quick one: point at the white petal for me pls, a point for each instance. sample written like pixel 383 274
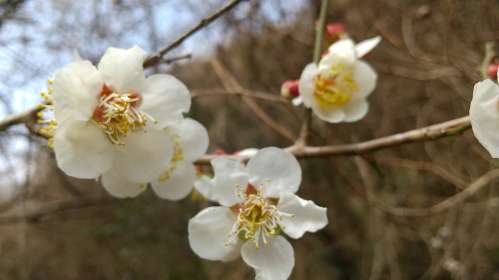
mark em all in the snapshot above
pixel 275 170
pixel 122 69
pixel 273 261
pixel 82 150
pixel 249 152
pixel 208 233
pixel 193 138
pixel 344 49
pixel 307 216
pixel 355 110
pixel 230 178
pixel 366 78
pixel 297 101
pixel 206 185
pixel 76 90
pixel 145 155
pixel 366 46
pixel 484 115
pixel 179 184
pixel 165 98
pixel 306 85
pixel 118 186
pixel 333 114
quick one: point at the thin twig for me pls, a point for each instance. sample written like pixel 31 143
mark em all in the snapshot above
pixel 21 118
pixel 156 57
pixel 231 84
pixel 450 202
pixel 429 133
pixel 246 92
pixel 487 58
pixel 319 32
pixel 176 58
pixel 56 207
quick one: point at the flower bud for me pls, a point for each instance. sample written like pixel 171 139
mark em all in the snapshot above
pixel 334 31
pixel 289 89
pixel 492 70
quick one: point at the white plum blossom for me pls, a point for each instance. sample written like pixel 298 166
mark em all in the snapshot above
pixel 337 87
pixel 484 115
pixel 115 123
pixel 258 206
pixel 191 141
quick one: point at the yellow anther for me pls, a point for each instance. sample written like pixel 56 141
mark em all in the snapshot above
pixel 335 87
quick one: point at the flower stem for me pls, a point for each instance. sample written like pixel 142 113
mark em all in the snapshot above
pixel 319 33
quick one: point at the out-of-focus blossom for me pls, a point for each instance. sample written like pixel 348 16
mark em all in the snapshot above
pixel 484 115
pixel 337 88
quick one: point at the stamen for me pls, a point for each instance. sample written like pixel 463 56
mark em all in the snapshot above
pixel 257 217
pixel 335 87
pixel 117 114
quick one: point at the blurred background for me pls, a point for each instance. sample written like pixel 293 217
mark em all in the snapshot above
pixel 56 227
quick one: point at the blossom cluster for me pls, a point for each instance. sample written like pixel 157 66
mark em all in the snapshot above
pixel 113 123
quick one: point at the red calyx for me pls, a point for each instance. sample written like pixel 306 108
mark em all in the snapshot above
pixel 335 29
pixel 492 70
pixel 290 88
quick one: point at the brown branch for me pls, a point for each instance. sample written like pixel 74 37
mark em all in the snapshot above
pixel 34 216
pixel 246 92
pixel 429 133
pixel 156 57
pixel 448 203
pixel 170 60
pixel 231 84
pixel 21 118
pixel 430 167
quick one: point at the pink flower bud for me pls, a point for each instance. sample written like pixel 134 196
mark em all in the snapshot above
pixel 290 89
pixel 335 29
pixel 492 71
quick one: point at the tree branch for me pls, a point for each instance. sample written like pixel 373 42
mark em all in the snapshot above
pixel 429 133
pixel 56 207
pixel 156 57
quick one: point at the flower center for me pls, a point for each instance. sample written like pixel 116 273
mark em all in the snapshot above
pixel 257 217
pixel 118 115
pixel 335 87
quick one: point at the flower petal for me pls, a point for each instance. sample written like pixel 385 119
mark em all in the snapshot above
pixel 122 69
pixel 208 233
pixel 306 85
pixel 484 115
pixel 333 114
pixel 275 170
pixel 355 110
pixel 307 216
pixel 193 138
pixel 76 90
pixel 366 78
pixel 118 186
pixel 165 98
pixel 229 176
pixel 273 261
pixel 366 46
pixel 343 49
pixel 82 150
pixel 145 155
pixel 179 184
pixel 206 185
